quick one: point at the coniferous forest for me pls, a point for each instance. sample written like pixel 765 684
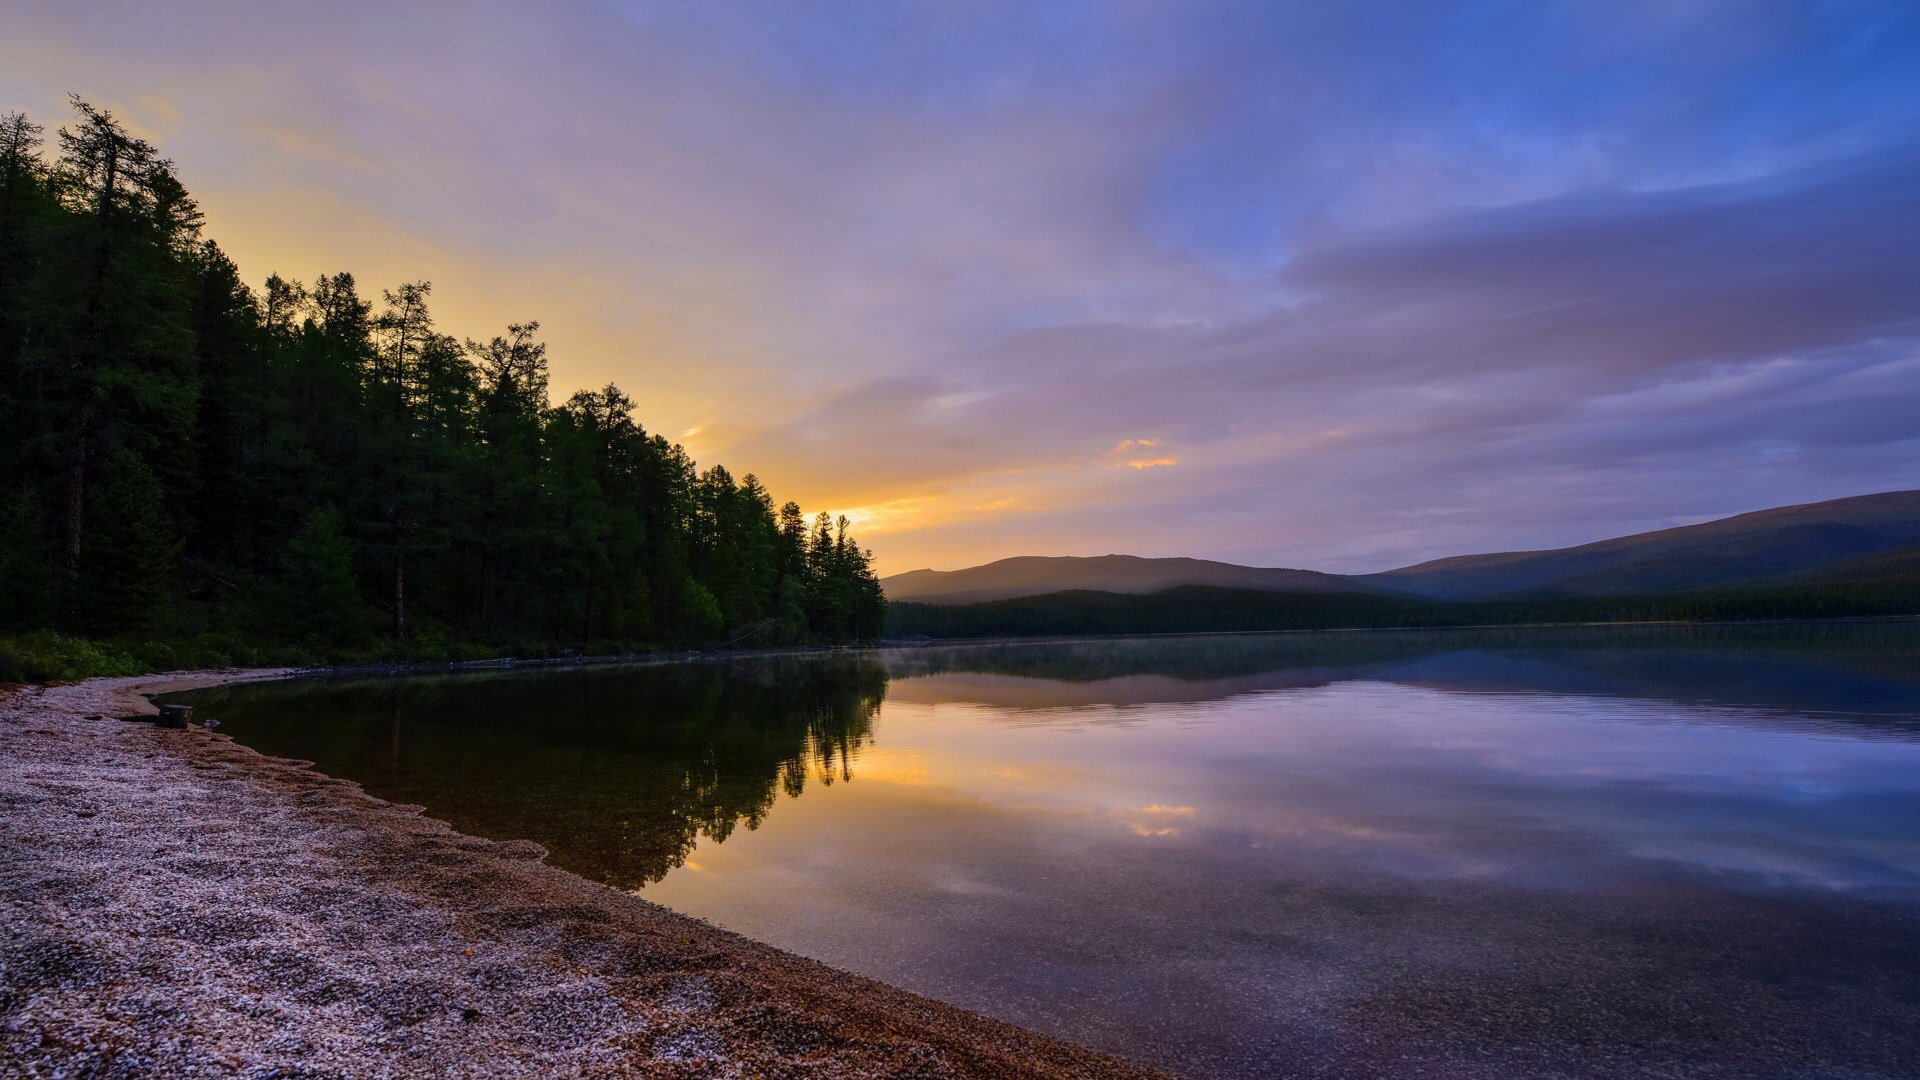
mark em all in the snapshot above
pixel 198 470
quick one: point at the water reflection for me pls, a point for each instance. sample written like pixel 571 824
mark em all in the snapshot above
pixel 618 771
pixel 1853 669
pixel 1567 852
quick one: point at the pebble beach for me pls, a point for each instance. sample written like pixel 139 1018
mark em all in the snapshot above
pixel 177 904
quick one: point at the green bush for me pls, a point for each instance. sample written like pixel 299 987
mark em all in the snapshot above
pixel 52 657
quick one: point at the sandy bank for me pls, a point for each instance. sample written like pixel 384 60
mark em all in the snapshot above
pixel 177 904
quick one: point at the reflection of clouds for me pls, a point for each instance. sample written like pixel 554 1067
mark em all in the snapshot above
pixel 1538 788
pixel 1310 847
pixel 1412 782
pixel 1371 782
pixel 1152 821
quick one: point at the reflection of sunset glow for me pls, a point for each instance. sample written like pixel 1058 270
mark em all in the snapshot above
pixel 1388 819
pixel 894 767
pixel 1147 820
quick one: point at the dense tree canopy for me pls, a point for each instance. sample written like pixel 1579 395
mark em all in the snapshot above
pixel 308 466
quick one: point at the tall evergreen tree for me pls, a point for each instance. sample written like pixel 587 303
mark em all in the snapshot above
pixel 180 449
pixel 127 556
pixel 317 601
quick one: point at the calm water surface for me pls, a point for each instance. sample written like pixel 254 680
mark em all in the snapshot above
pixel 1605 852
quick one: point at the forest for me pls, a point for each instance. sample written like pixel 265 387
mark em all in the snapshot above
pixel 1206 609
pixel 195 471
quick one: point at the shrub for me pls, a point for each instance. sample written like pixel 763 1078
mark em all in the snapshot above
pixel 52 657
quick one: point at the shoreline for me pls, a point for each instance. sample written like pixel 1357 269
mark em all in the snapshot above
pixel 1069 639
pixel 180 904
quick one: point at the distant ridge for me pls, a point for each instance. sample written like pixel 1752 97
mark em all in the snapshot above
pixel 1036 575
pixel 1852 540
pixel 1739 551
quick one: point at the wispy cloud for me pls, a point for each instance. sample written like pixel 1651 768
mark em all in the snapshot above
pixel 1383 281
pixel 1139 454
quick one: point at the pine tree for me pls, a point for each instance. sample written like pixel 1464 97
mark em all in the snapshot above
pixel 155 407
pixel 126 562
pixel 321 594
pixel 121 360
pixel 26 595
pixel 513 497
pixel 21 174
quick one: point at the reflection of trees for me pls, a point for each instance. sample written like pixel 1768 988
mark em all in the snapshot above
pixel 1884 647
pixel 617 771
pixel 1199 658
pixel 1861 667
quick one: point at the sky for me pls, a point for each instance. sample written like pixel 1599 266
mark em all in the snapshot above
pixel 1338 286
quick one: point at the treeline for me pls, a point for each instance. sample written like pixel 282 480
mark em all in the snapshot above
pixel 308 466
pixel 1877 650
pixel 1206 609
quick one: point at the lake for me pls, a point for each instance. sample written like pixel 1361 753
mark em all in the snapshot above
pixel 1604 851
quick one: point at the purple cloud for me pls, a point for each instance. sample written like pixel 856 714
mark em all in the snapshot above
pixel 1376 281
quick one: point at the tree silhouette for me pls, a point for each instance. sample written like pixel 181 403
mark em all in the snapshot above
pixel 183 452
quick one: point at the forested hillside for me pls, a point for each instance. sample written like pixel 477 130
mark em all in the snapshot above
pixel 1734 552
pixel 1032 575
pixel 1201 609
pixel 320 471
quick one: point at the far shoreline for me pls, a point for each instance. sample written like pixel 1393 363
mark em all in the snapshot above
pixel 399 668
pixel 673 656
pixel 947 642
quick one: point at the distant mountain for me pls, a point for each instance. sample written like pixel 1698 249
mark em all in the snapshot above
pixel 1035 575
pixel 1788 544
pixel 1898 565
pixel 1849 541
pixel 1849 557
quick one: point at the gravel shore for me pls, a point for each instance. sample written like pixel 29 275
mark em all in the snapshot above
pixel 177 904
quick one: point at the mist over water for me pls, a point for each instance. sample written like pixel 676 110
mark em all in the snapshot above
pixel 1558 852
